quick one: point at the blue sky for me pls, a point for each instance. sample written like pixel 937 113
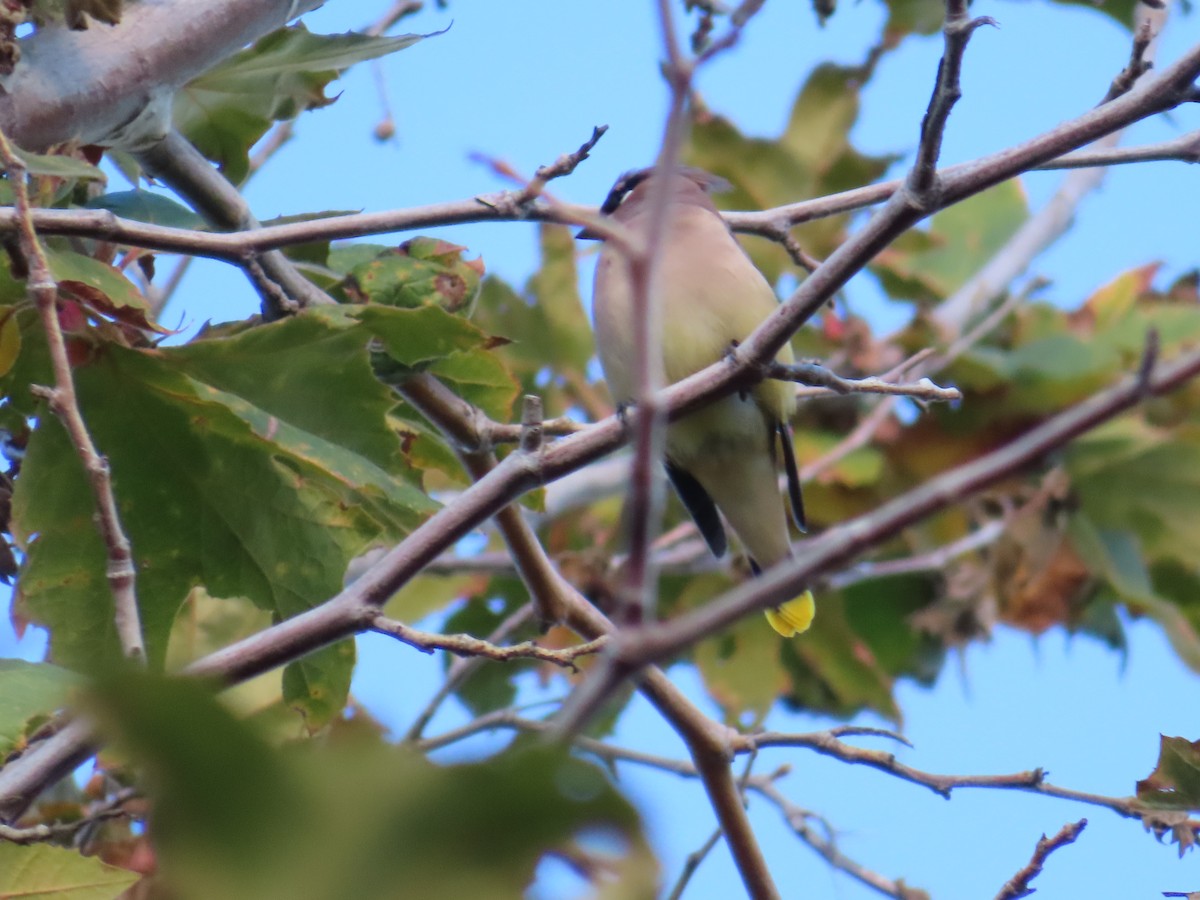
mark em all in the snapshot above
pixel 526 81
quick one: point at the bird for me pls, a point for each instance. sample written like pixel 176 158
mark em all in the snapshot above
pixel 723 456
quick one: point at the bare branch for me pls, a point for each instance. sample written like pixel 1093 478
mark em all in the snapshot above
pixel 1018 885
pixel 466 645
pixel 798 819
pixel 64 403
pixel 818 377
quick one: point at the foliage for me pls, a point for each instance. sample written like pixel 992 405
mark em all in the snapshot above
pixel 254 463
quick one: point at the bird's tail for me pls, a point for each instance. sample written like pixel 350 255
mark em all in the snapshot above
pixel 793 617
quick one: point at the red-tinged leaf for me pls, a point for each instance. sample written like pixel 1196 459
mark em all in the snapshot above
pixel 102 289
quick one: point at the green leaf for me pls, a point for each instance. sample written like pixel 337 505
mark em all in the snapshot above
pixel 741 668
pixel 100 287
pixel 147 206
pixel 833 668
pixel 422 271
pixel 28 692
pixel 10 340
pixel 351 816
pixel 811 158
pixel 227 109
pixel 55 873
pixel 963 238
pixel 59 166
pixel 1175 781
pixel 250 494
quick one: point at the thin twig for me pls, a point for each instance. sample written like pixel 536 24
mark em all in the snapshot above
pixel 64 403
pixel 463 667
pixel 466 645
pixel 113 808
pixel 797 819
pixel 818 377
pixel 1018 885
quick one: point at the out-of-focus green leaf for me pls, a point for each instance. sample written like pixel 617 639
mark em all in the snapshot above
pixel 811 158
pixel 1153 493
pixel 963 237
pixel 1175 781
pixel 352 817
pixel 59 166
pixel 10 339
pixel 227 109
pixel 55 872
pixel 741 668
pixel 1115 556
pixel 205 624
pixel 834 670
pixel 28 692
pixel 147 206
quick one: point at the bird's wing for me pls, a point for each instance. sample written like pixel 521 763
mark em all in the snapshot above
pixel 700 507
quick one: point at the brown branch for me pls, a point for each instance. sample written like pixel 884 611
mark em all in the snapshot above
pixel 797 820
pixel 956 31
pixel 465 645
pixel 1018 885
pixel 463 667
pixel 280 285
pixel 64 403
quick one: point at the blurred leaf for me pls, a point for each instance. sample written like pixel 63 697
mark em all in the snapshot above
pixel 205 624
pixel 1151 491
pixel 10 340
pixel 963 238
pixel 811 158
pixel 147 206
pixel 228 108
pixel 741 668
pixel 1175 781
pixel 56 873
pixel 58 166
pixel 28 692
pixel 1115 556
pixel 353 817
pixel 834 670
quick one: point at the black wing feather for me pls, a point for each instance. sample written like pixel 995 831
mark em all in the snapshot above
pixel 793 475
pixel 701 508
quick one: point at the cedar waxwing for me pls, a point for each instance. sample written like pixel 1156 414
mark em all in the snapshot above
pixel 722 457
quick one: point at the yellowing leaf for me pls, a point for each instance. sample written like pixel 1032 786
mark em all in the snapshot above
pixel 55 872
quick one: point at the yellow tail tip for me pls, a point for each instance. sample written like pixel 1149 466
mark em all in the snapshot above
pixel 793 617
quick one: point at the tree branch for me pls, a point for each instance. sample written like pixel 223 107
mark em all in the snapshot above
pixel 280 285
pixel 110 85
pixel 1018 885
pixel 465 645
pixel 64 403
